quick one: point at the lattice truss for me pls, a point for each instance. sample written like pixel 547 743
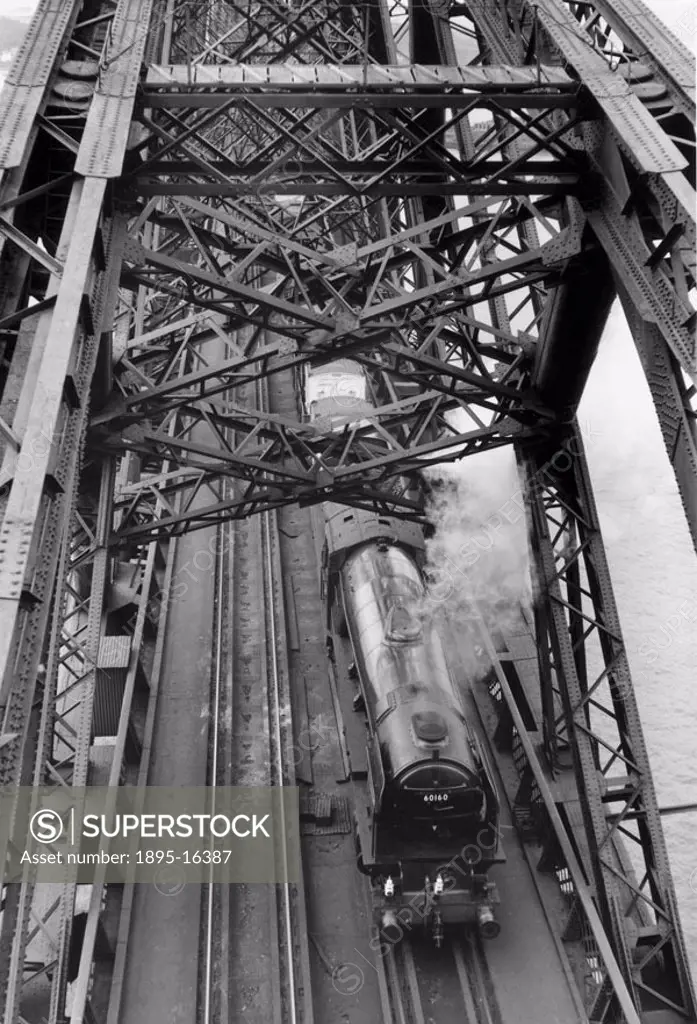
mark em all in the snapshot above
pixel 101 669
pixel 591 725
pixel 270 213
pixel 321 226
pixel 54 658
pixel 643 216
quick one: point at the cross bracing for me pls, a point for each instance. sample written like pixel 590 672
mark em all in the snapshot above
pixel 451 194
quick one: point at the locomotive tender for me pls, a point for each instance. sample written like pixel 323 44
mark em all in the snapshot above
pixel 430 832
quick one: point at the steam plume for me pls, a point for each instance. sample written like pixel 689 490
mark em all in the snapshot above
pixel 477 559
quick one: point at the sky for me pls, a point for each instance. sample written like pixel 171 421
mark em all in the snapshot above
pixel 14 9
pixel 680 16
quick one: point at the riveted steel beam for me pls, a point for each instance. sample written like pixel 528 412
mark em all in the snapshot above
pixel 651 58
pixel 27 81
pixel 27 497
pixel 643 210
pixel 351 86
pixel 675 399
pixel 41 475
pixel 601 953
pixel 592 718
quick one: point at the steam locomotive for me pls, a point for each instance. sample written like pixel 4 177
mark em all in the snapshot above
pixel 430 833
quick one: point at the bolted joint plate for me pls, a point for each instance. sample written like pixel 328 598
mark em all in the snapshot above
pixel 346 255
pixel 134 252
pixel 345 323
pixel 566 245
pixel 287 347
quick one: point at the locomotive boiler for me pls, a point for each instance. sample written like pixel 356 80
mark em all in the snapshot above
pixel 428 834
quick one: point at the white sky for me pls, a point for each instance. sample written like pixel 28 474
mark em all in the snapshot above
pixel 13 9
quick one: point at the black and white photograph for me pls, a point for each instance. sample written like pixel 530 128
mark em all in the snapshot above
pixel 348 501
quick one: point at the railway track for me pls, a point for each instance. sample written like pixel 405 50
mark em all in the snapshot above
pixel 425 985
pixel 287 903
pixel 475 982
pixel 417 982
pixel 215 919
pixel 253 965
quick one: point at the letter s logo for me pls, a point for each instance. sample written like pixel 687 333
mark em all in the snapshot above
pixel 347 979
pixel 46 826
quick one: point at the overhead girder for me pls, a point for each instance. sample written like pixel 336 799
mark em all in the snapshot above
pixel 656 64
pixel 552 387
pixel 301 154
pixel 313 300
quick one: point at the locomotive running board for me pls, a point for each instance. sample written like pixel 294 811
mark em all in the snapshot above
pixel 352 725
pixel 363 828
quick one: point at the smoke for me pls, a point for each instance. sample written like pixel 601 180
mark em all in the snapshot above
pixel 477 559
